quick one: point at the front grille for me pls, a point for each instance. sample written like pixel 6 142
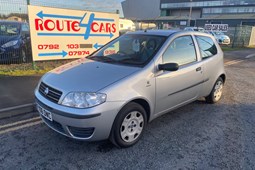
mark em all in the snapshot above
pixel 1 50
pixel 53 124
pixel 81 132
pixel 51 94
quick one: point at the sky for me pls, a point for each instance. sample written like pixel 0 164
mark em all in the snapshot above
pixel 19 6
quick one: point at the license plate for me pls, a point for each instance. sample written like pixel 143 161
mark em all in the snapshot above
pixel 45 113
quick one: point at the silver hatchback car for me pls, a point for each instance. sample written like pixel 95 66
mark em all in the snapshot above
pixel 114 92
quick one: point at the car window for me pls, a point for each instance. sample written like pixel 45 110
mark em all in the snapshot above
pixel 130 49
pixel 219 33
pixel 207 46
pixel 9 29
pixel 24 28
pixel 180 51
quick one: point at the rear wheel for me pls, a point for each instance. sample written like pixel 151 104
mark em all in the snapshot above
pixel 216 92
pixel 129 125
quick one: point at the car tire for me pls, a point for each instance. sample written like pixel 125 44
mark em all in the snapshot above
pixel 216 92
pixel 129 125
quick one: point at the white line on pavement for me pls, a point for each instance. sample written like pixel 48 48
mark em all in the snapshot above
pixel 16 107
pixel 250 56
pixel 232 62
pixel 20 122
pixel 20 127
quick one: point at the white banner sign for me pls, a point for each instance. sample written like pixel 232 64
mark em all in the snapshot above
pixel 66 34
pixel 216 27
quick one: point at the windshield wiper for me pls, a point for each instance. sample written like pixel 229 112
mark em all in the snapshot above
pixel 102 58
pixel 130 61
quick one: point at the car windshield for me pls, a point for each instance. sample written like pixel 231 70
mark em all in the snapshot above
pixel 201 29
pixel 9 29
pixel 130 49
pixel 219 33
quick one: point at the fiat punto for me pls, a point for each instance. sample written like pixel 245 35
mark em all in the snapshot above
pixel 116 91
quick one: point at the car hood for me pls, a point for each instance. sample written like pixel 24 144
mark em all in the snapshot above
pixel 86 75
pixel 222 37
pixel 4 39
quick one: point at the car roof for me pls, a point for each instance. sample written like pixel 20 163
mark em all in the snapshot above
pixel 155 32
pixel 194 27
pixel 167 33
pixel 12 22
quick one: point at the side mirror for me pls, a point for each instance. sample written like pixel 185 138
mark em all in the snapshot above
pixel 168 67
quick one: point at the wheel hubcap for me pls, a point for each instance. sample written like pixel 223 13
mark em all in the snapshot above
pixel 218 90
pixel 132 126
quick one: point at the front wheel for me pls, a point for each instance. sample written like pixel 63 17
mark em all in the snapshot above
pixel 216 92
pixel 129 125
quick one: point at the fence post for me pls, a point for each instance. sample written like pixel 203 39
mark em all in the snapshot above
pixel 34 65
pixel 234 38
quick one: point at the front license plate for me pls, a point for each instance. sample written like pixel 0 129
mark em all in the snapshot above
pixel 45 113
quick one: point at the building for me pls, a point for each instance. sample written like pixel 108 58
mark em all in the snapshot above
pixel 176 13
pixel 231 12
pixel 141 9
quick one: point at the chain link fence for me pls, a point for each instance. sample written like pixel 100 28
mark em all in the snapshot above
pixel 239 36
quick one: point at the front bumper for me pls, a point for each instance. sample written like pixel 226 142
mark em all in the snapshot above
pixel 91 124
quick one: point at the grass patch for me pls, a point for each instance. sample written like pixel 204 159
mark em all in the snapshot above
pixel 225 48
pixel 229 48
pixel 27 69
pixel 22 72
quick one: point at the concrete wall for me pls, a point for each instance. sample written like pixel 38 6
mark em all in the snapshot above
pixel 141 9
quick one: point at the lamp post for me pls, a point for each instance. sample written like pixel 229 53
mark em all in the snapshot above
pixel 190 12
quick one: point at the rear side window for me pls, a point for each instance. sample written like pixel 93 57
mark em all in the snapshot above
pixel 24 28
pixel 206 46
pixel 180 51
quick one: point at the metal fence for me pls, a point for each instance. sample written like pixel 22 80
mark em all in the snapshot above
pixel 240 35
pixel 12 46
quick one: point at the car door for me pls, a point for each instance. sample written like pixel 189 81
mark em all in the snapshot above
pixel 174 88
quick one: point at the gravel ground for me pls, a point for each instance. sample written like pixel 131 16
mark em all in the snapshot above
pixel 196 136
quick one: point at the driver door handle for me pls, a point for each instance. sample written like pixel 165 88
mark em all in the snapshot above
pixel 198 69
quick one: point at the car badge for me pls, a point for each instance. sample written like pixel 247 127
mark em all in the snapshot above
pixel 46 91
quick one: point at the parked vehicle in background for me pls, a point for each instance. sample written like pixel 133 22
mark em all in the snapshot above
pixel 221 37
pixel 147 74
pixel 15 43
pixel 199 29
pixel 126 25
pixel 146 26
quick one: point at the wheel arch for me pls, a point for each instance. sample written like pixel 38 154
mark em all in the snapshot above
pixel 145 105
pixel 223 76
pixel 141 101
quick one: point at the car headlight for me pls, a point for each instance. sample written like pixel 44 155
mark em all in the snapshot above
pixel 83 100
pixel 10 43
